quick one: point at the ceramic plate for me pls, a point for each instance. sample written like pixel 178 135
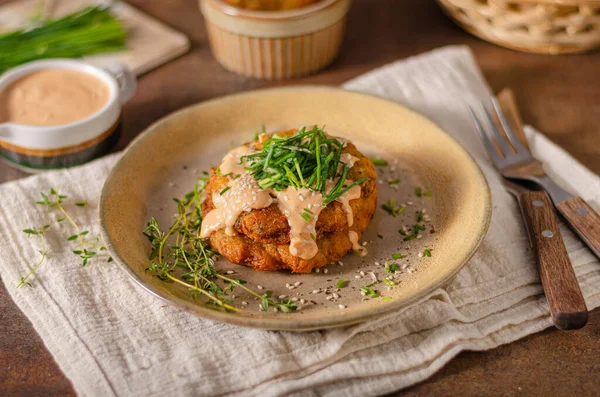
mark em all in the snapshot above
pixel 166 160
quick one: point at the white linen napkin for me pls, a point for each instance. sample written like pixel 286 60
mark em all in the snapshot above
pixel 112 338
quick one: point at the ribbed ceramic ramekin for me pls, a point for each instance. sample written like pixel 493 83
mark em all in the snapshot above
pixel 275 45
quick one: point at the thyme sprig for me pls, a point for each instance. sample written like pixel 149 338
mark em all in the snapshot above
pixel 181 256
pixel 307 159
pixel 87 247
pixel 34 231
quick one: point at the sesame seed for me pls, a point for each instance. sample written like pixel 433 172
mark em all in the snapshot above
pixel 316 291
pixel 302 301
pixel 244 303
pixel 357 276
pixel 335 296
pixel 287 285
pixel 294 299
pixel 329 297
pixel 342 306
pixel 297 283
pixel 259 286
pixel 230 272
pixel 376 263
pixel 362 273
pixel 282 296
pixel 341 263
pixel 318 270
pixel 325 271
pixel 409 202
pixel 419 236
pixel 275 310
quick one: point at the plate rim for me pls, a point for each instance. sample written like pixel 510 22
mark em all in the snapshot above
pixel 268 322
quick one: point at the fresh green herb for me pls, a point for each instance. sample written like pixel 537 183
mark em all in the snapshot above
pixel 387 298
pixel 309 211
pixel 397 256
pixel 306 159
pixel 43 252
pixel 427 252
pixel 394 182
pixel 389 282
pixel 418 227
pixel 379 162
pixel 222 192
pixel 419 216
pixel 391 268
pixel 410 237
pixel 85 247
pixel 179 255
pixel 313 237
pixel 427 193
pixel 368 291
pixel 91 30
pixel 340 283
pixel 390 208
pixel 305 216
pixel 419 192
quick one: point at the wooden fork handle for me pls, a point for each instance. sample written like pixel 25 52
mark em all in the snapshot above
pixel 584 220
pixel 565 300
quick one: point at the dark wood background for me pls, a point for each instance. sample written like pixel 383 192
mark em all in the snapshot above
pixel 558 95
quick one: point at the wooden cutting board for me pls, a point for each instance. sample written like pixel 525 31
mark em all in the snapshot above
pixel 150 42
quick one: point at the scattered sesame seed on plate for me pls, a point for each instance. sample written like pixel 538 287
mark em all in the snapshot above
pixel 342 306
pixel 244 303
pixel 357 276
pixel 259 286
pixel 230 272
pixel 282 296
pixel 297 283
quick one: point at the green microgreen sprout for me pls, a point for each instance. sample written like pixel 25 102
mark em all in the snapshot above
pixel 397 256
pixel 340 283
pixel 391 268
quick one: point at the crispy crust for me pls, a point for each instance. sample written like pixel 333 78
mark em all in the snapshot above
pixel 262 240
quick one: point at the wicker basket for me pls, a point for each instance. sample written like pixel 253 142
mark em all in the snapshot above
pixel 539 26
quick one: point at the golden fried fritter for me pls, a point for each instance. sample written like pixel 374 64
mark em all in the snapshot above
pixel 263 235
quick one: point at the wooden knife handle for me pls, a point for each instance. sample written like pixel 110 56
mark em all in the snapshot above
pixel 584 220
pixel 565 300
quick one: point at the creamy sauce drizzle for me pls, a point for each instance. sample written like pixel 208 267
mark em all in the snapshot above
pixel 231 161
pixel 356 247
pixel 292 203
pixel 244 194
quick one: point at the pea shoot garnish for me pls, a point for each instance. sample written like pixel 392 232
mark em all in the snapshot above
pixel 340 283
pixel 391 268
pixel 307 159
pixel 394 182
pixel 427 253
pixel 397 256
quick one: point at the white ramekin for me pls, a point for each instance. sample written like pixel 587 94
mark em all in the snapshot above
pixel 36 148
pixel 275 45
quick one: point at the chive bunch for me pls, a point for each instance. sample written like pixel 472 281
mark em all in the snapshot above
pixel 307 159
pixel 92 30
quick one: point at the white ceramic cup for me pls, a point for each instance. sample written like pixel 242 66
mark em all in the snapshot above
pixel 42 147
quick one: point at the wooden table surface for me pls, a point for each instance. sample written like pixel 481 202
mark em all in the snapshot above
pixel 558 95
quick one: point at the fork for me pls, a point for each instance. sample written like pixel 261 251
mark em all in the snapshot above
pixel 519 164
pixel 565 301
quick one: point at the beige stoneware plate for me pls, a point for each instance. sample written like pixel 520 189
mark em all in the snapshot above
pixel 165 161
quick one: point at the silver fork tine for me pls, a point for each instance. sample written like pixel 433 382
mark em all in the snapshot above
pixel 489 146
pixel 509 131
pixel 499 138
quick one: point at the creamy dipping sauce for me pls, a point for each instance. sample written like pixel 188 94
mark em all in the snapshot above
pixel 52 96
